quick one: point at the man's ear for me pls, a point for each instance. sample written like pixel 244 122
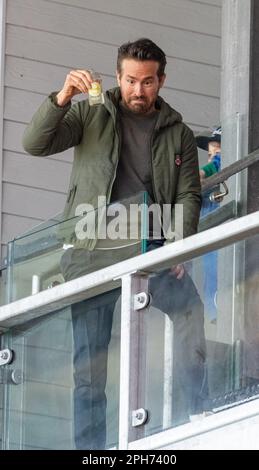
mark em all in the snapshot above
pixel 118 78
pixel 162 80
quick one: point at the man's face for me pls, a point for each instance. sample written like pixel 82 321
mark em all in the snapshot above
pixel 213 148
pixel 139 84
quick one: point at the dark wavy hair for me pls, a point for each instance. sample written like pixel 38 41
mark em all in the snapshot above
pixel 142 49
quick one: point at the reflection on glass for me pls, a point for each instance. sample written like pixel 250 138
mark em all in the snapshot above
pixel 180 386
pixel 195 365
pixel 210 261
pixel 68 391
pixel 60 251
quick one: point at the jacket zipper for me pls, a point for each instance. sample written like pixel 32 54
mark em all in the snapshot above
pixel 152 170
pixel 115 171
pixel 72 193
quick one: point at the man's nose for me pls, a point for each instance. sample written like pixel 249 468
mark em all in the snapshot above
pixel 138 89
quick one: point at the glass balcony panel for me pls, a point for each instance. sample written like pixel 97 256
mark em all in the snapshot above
pixel 216 209
pixel 55 392
pixel 56 252
pixel 201 342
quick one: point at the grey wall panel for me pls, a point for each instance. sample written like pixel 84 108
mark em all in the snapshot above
pixel 196 108
pixel 60 50
pixel 30 205
pixel 191 76
pixel 181 75
pixel 209 2
pixel 13 132
pixel 86 24
pixel 175 13
pixel 20 105
pixel 31 202
pixel 34 76
pixel 14 226
pixel 36 172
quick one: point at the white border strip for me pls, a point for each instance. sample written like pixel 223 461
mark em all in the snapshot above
pixel 73 291
pixel 2 68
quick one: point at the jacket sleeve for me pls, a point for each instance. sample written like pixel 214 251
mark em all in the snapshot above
pixel 209 169
pixel 212 167
pixel 53 129
pixel 188 191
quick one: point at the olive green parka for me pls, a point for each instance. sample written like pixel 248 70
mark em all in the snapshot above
pixel 94 131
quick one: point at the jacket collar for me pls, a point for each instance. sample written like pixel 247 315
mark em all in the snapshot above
pixel 167 115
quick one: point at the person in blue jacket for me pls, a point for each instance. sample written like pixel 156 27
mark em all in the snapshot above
pixel 212 144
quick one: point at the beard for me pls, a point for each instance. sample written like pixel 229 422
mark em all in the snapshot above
pixel 140 105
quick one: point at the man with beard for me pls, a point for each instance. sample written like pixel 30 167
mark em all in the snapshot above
pixel 133 142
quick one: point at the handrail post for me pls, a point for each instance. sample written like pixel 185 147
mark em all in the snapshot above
pixel 132 357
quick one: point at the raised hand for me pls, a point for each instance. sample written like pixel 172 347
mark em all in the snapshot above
pixel 77 81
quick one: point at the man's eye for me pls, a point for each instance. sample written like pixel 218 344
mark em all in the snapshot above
pixel 130 81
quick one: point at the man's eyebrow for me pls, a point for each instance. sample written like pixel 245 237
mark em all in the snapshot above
pixel 146 78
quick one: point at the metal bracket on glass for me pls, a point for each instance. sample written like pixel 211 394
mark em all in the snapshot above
pixel 139 417
pixel 217 196
pixel 11 376
pixel 16 377
pixel 6 356
pixel 141 300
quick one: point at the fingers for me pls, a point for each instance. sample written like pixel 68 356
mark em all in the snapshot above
pixel 178 271
pixel 77 81
pixel 80 79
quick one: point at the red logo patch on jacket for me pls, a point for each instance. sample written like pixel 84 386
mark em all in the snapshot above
pixel 178 160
